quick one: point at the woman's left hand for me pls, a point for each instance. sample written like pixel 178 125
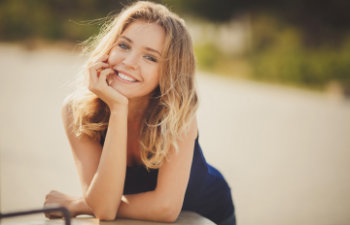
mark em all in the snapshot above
pixel 57 198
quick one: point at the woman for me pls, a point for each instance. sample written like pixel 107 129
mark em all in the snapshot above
pixel 132 127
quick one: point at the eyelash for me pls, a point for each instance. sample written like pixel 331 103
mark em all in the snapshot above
pixel 123 46
pixel 151 58
pixel 127 47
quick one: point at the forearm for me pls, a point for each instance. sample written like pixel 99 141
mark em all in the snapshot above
pixel 137 206
pixel 106 188
pixel 79 207
pixel 146 206
pixel 142 206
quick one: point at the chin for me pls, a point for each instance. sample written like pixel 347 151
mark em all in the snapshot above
pixel 129 92
pixel 123 90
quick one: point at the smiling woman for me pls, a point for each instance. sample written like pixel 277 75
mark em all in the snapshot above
pixel 135 59
pixel 132 126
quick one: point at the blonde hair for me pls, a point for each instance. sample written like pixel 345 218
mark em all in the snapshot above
pixel 172 105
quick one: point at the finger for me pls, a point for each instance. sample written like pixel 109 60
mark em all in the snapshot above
pixel 109 80
pixel 104 74
pixel 47 215
pixel 95 70
pixel 51 215
pixel 98 83
pixel 99 65
pixel 103 58
pixel 54 215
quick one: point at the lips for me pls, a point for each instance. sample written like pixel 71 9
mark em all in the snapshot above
pixel 124 76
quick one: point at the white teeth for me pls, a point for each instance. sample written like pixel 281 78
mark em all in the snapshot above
pixel 125 77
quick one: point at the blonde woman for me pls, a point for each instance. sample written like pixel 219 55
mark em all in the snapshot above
pixel 132 126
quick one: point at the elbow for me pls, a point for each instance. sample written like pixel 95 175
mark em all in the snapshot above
pixel 101 211
pixel 168 213
pixel 171 219
pixel 105 216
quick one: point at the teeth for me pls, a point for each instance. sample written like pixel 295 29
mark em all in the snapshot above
pixel 125 77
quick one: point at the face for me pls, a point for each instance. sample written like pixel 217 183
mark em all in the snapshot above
pixel 135 58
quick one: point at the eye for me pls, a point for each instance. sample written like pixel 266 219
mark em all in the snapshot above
pixel 151 58
pixel 123 46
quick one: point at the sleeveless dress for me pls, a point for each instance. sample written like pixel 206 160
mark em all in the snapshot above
pixel 207 193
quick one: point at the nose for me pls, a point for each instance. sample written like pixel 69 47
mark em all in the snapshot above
pixel 131 60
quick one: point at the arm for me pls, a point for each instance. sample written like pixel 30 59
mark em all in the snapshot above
pixel 165 202
pixel 102 170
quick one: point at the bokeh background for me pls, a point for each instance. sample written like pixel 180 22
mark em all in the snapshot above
pixel 274 86
pixel 303 43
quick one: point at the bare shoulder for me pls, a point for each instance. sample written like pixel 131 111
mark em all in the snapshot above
pixel 192 130
pixel 187 138
pixel 67 116
pixel 81 142
pixel 66 110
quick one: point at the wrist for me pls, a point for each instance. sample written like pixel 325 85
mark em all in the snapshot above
pixel 119 104
pixel 119 109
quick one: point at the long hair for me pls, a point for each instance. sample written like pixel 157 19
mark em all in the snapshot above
pixel 172 105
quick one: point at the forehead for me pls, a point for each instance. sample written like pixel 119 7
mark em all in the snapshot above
pixel 145 35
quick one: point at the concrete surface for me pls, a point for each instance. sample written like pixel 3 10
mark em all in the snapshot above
pixel 185 218
pixel 285 152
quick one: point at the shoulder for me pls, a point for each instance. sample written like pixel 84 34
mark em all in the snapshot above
pixel 186 138
pixel 191 130
pixel 67 110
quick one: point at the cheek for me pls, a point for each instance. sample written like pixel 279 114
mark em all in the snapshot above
pixel 154 74
pixel 156 79
pixel 151 80
pixel 113 57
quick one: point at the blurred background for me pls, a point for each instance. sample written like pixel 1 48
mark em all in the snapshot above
pixel 304 43
pixel 274 86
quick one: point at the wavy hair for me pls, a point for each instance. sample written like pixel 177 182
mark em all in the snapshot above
pixel 173 103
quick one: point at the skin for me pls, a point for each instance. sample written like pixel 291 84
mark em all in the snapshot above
pixel 136 54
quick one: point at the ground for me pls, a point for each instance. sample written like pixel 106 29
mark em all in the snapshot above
pixel 284 152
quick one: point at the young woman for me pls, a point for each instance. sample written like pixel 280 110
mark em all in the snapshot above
pixel 132 127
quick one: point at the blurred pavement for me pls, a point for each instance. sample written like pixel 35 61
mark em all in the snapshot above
pixel 285 152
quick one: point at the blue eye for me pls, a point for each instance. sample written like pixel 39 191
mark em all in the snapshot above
pixel 123 46
pixel 151 58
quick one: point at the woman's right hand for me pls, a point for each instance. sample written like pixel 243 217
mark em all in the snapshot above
pixel 75 205
pixel 99 73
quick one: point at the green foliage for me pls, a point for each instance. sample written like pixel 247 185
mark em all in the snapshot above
pixel 278 54
pixel 208 56
pixel 54 19
pixel 285 59
pixel 298 52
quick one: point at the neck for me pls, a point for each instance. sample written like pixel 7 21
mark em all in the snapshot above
pixel 136 110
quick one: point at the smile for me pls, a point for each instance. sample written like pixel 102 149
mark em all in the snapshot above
pixel 124 76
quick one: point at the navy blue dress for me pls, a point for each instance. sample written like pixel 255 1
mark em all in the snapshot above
pixel 207 194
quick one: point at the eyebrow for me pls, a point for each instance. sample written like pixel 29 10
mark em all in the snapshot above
pixel 147 48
